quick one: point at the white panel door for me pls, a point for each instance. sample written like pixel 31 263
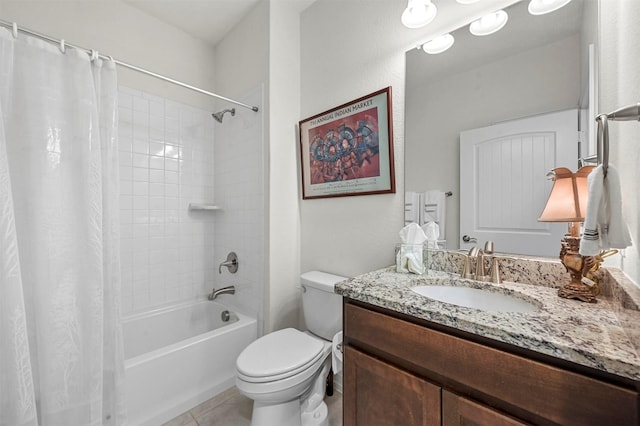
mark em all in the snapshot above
pixel 503 183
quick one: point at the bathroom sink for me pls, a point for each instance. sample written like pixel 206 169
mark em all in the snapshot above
pixel 475 298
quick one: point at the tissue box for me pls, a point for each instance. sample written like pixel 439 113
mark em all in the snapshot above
pixel 411 258
pixel 438 244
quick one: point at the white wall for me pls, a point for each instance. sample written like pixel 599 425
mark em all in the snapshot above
pixel 284 112
pixel 506 89
pixel 351 48
pixel 619 86
pixel 116 29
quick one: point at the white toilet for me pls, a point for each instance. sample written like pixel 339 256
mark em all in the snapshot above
pixel 285 372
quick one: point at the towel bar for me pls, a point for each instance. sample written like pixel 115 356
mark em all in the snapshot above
pixel 627 113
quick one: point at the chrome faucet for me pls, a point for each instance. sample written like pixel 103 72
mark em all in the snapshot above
pixel 224 290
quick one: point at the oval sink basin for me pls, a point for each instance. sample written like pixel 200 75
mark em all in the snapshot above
pixel 475 298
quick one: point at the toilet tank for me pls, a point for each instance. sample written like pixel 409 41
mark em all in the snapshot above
pixel 321 307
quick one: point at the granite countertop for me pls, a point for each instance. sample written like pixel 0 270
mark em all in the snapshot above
pixel 603 335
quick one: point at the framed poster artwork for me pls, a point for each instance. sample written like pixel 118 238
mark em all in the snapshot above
pixel 348 150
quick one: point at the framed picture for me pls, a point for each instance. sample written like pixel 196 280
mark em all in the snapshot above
pixel 348 150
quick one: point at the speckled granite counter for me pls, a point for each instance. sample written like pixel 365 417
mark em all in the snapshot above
pixel 603 336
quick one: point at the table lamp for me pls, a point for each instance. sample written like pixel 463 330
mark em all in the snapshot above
pixel 568 203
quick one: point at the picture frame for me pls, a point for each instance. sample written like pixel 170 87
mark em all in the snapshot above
pixel 348 150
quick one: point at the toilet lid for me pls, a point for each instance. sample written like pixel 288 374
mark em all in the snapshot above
pixel 275 354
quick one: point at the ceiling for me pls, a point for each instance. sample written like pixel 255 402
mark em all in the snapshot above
pixel 208 20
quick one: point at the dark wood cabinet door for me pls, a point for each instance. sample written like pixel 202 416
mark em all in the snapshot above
pixel 379 394
pixel 459 411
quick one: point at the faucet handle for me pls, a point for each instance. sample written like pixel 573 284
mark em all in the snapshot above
pixel 488 247
pixel 481 272
pixel 231 263
pixel 466 268
pixel 495 271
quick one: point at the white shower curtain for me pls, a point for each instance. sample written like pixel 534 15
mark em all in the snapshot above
pixel 61 357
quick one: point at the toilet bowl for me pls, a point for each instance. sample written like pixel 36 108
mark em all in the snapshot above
pixel 285 371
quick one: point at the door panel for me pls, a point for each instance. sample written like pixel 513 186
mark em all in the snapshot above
pixel 503 184
pixel 458 411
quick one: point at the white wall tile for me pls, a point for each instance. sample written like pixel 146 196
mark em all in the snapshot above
pixel 169 159
pixel 167 252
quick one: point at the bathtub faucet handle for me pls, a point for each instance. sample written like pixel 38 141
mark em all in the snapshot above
pixel 231 263
pixel 224 290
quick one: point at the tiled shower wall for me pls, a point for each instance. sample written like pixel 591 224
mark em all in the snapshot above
pixel 166 162
pixel 239 161
pixel 171 155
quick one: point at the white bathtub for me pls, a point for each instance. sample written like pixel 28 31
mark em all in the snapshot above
pixel 178 357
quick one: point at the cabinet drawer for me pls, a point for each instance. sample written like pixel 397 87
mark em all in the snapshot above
pixel 544 391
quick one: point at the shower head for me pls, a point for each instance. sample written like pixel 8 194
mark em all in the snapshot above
pixel 218 115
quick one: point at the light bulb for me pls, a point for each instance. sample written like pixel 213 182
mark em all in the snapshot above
pixel 438 44
pixel 418 13
pixel 489 23
pixel 540 7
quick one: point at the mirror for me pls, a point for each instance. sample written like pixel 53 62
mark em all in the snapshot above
pixel 535 65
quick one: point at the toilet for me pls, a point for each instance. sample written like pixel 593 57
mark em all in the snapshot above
pixel 285 372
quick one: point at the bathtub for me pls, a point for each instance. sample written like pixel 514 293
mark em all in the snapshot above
pixel 178 357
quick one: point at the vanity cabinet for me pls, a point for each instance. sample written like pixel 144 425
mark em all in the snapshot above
pixel 402 371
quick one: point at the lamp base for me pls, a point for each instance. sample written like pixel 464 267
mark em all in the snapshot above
pixel 575 264
pixel 580 292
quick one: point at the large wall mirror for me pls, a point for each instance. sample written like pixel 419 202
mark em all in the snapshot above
pixel 535 68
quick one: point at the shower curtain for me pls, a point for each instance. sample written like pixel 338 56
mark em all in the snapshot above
pixel 61 357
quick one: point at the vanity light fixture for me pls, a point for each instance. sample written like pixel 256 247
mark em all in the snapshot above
pixel 489 23
pixel 568 203
pixel 438 44
pixel 541 7
pixel 418 13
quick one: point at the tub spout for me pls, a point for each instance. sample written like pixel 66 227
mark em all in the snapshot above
pixel 224 290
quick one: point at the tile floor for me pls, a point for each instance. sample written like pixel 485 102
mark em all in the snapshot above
pixel 232 409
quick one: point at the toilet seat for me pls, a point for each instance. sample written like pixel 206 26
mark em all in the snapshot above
pixel 279 355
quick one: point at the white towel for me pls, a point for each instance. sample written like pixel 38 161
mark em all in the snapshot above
pixel 604 226
pixel 411 207
pixel 433 210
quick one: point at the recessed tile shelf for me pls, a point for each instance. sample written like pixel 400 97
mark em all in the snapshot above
pixel 201 207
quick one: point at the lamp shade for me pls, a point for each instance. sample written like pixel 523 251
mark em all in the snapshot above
pixel 568 198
